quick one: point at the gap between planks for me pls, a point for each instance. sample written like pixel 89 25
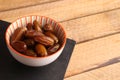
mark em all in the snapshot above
pixel 90 15
pixel 94 54
pixel 93 27
pixel 105 20
pixel 61 10
pixel 90 27
pixel 110 72
pixel 22 4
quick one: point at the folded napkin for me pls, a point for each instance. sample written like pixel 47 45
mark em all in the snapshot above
pixel 10 69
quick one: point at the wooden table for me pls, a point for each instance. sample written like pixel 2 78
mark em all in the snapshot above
pixel 93 24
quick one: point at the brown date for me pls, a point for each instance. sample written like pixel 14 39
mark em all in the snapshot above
pixel 32 33
pixel 29 26
pixel 35 40
pixel 37 26
pixel 47 41
pixel 48 27
pixel 18 34
pixel 29 42
pixel 51 35
pixel 19 46
pixel 53 48
pixel 30 53
pixel 41 50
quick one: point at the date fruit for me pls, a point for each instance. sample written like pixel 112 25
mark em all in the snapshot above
pixel 48 27
pixel 51 35
pixel 29 26
pixel 35 40
pixel 30 53
pixel 53 48
pixel 29 42
pixel 19 46
pixel 47 41
pixel 32 33
pixel 41 50
pixel 37 26
pixel 18 34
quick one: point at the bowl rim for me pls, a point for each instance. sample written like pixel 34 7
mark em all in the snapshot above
pixel 16 52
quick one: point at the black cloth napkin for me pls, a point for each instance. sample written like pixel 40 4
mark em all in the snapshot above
pixel 10 69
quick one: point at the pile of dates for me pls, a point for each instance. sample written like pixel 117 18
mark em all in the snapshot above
pixel 35 40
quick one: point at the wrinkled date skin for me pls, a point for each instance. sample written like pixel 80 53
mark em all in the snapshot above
pixel 32 33
pixel 29 42
pixel 47 41
pixel 29 26
pixel 48 27
pixel 51 35
pixel 37 26
pixel 35 40
pixel 20 46
pixel 30 53
pixel 53 48
pixel 18 34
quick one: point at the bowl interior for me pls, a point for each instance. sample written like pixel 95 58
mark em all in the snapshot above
pixel 22 22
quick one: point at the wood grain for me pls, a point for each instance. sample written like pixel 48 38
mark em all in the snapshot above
pixel 95 26
pixel 63 10
pixel 111 72
pixel 83 20
pixel 14 4
pixel 94 54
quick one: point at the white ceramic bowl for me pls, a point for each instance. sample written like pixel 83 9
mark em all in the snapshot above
pixel 35 61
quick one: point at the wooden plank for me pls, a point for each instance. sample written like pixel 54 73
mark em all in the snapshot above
pixel 94 54
pixel 111 72
pixel 13 4
pixel 63 10
pixel 87 28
